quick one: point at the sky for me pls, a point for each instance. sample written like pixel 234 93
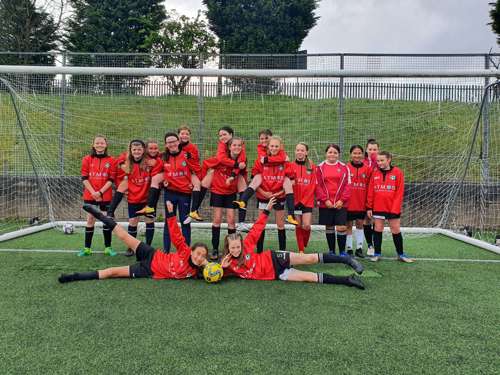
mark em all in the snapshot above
pixel 392 26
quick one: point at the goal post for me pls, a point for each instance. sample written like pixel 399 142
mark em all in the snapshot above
pixel 441 125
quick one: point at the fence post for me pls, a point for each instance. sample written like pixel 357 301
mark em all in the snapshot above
pixel 341 105
pixel 201 113
pixel 61 130
pixel 485 166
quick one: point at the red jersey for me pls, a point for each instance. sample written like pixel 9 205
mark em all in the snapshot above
pixel 177 172
pixel 273 176
pixel 360 178
pixel 386 191
pixel 221 174
pixel 139 181
pixel 256 266
pixel 222 158
pixel 98 170
pixel 280 157
pixel 305 182
pixel 176 265
pixel 371 161
pixel 193 156
pixel 120 173
pixel 334 183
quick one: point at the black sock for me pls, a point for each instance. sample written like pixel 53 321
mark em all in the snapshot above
pixel 150 232
pixel 377 242
pixel 324 278
pixel 77 276
pixel 89 233
pixel 330 239
pixel 367 230
pixel 260 242
pixel 215 237
pixel 132 231
pixel 195 200
pixel 282 239
pixel 247 194
pixel 242 215
pixel 231 230
pixel 290 205
pixel 331 258
pixel 117 198
pixel 106 231
pixel 341 240
pixel 153 196
pixel 398 242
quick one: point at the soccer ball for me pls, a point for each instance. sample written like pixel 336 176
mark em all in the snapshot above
pixel 213 272
pixel 68 228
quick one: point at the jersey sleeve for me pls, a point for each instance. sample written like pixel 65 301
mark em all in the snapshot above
pixel 157 168
pixel 370 194
pixel 397 204
pixel 176 236
pixel 346 187
pixel 85 170
pixel 257 167
pixel 222 156
pixel 321 192
pixel 193 164
pixel 250 241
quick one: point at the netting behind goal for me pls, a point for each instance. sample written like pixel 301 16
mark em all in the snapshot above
pixel 451 161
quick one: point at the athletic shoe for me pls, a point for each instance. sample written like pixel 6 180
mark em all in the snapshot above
pixel 109 252
pixel 187 220
pixel 243 227
pixel 405 258
pixel 240 204
pixel 355 265
pixel 350 252
pixel 371 251
pixel 214 255
pixel 356 282
pixel 359 253
pixel 195 216
pixel 86 251
pixel 375 257
pixel 129 253
pixel 291 220
pixel 147 211
pixel 343 254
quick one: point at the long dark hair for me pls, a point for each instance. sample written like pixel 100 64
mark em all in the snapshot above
pixel 226 129
pixel 332 145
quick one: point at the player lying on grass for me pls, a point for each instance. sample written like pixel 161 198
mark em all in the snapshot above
pixel 240 259
pixel 186 262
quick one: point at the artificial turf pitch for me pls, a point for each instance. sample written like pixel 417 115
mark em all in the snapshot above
pixel 435 317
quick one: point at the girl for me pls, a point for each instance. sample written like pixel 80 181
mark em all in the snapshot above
pixel 186 262
pixel 97 175
pixel 225 133
pixel 385 199
pixel 273 176
pixel 193 153
pixel 360 176
pixel 239 259
pixel 370 160
pixel 177 169
pixel 223 193
pixel 332 192
pixel 303 190
pixel 139 172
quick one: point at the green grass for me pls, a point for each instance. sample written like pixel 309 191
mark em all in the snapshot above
pixel 429 317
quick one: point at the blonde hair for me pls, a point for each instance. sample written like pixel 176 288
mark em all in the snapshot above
pixel 276 138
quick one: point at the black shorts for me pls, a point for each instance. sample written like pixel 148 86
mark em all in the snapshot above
pixel 356 215
pixel 144 255
pixel 281 262
pixel 278 206
pixel 301 209
pixel 133 208
pixel 332 216
pixel 103 206
pixel 222 200
pixel 385 215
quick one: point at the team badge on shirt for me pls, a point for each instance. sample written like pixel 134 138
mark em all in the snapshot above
pixel 184 163
pixel 247 257
pixel 393 178
pixel 363 175
pixel 107 165
pixel 308 172
pixel 280 167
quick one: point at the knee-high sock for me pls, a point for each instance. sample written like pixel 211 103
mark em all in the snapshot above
pixel 106 232
pixel 306 234
pixel 282 239
pixel 341 238
pixel 325 278
pixel 132 230
pixel 330 239
pixel 398 242
pixel 247 194
pixel 368 231
pixel 79 276
pixel 215 237
pixel 186 232
pixel 377 241
pixel 153 196
pixel 89 233
pixel 117 198
pixel 260 242
pixel 299 234
pixel 290 206
pixel 150 232
pixel 197 198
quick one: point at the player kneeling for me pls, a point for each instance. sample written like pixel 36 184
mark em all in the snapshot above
pixel 240 259
pixel 185 263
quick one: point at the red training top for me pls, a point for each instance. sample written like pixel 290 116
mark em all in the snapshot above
pixel 386 191
pixel 177 172
pixel 305 182
pixel 334 183
pixel 273 176
pixel 360 178
pixel 98 170
pixel 139 181
pixel 176 265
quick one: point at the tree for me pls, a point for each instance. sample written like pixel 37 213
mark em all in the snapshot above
pixel 181 42
pixel 495 18
pixel 112 26
pixel 260 26
pixel 26 28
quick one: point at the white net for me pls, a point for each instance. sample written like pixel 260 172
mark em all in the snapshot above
pixel 428 124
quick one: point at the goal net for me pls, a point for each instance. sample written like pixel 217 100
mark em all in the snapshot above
pixel 443 135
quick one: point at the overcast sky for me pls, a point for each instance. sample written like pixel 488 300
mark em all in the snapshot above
pixel 392 26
